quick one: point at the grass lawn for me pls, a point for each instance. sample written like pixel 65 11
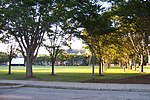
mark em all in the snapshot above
pixel 67 73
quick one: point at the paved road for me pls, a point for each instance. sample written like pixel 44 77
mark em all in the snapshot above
pixel 79 86
pixel 28 93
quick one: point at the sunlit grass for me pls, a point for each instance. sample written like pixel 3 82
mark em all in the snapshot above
pixel 120 70
pixel 68 73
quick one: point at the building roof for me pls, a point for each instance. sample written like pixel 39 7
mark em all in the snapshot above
pixel 74 51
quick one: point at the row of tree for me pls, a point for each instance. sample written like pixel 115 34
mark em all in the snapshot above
pixel 120 32
pixel 3 58
pixel 64 60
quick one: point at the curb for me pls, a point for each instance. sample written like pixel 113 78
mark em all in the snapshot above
pixel 82 88
pixel 18 84
pixel 11 86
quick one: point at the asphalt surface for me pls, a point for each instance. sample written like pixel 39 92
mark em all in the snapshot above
pixel 77 86
pixel 30 93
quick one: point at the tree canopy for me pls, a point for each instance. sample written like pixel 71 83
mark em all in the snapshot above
pixel 27 21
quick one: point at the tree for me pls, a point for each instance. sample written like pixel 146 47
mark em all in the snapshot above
pixel 3 58
pixel 88 15
pixel 11 55
pixel 96 26
pixel 57 37
pixel 61 31
pixel 27 21
pixel 42 60
pixel 11 48
pixel 135 24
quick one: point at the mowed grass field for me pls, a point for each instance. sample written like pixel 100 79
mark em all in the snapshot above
pixel 68 73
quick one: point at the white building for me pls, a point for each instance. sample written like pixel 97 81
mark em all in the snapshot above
pixel 19 61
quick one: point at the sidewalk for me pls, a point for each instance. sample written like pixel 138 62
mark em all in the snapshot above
pixel 79 86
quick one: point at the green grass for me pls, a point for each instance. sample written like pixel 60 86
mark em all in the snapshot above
pixel 67 73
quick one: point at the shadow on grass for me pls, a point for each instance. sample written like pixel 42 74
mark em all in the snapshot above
pixel 66 77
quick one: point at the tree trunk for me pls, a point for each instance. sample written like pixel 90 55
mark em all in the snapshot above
pixel 100 71
pixel 100 67
pixel 142 62
pixel 29 72
pixel 53 63
pixel 136 58
pixel 130 63
pixel 126 65
pixel 52 68
pixel 93 60
pixel 10 59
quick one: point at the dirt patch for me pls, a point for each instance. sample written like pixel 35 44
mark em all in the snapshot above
pixel 144 79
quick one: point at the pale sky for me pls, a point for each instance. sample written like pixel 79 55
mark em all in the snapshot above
pixel 3 47
pixel 76 44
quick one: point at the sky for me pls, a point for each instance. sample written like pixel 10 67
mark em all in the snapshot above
pixel 3 47
pixel 76 44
